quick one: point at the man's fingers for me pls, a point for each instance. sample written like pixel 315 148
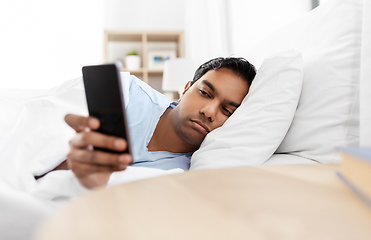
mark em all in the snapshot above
pixel 82 169
pixel 96 139
pixel 80 123
pixel 115 160
pixel 93 167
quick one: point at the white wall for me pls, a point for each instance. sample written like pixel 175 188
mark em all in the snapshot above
pixel 144 14
pixel 251 21
pixel 44 43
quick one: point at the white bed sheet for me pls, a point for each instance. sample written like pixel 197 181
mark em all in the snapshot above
pixel 21 213
pixel 365 72
pixel 34 139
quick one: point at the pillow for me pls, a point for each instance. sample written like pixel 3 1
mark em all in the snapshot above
pixel 329 38
pixel 255 130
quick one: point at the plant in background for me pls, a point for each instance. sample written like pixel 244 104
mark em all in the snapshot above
pixel 132 53
pixel 132 60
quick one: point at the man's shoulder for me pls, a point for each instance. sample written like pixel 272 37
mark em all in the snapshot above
pixel 140 90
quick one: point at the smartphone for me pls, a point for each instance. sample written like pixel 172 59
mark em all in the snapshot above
pixel 105 100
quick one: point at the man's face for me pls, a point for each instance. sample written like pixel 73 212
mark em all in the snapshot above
pixel 208 103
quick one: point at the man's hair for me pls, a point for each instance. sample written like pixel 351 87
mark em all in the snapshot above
pixel 239 66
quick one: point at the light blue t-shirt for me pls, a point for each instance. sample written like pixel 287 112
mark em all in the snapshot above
pixel 144 109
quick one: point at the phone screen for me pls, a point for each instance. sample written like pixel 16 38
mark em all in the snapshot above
pixel 105 100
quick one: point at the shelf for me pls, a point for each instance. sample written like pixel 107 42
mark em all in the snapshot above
pixel 146 40
pixel 155 71
pixel 138 71
pixel 142 71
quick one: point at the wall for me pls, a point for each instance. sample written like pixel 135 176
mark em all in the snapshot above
pixel 144 14
pixel 251 21
pixel 44 43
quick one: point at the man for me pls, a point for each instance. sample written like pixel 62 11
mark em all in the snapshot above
pixel 164 135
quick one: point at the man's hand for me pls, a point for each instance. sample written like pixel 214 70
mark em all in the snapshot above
pixel 93 168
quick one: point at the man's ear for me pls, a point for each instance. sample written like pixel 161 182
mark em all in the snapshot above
pixel 186 87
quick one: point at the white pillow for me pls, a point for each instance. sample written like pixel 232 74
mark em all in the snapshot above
pixel 255 130
pixel 329 38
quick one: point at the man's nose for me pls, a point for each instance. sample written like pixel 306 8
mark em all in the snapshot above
pixel 209 111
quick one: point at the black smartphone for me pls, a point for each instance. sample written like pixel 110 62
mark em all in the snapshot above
pixel 104 95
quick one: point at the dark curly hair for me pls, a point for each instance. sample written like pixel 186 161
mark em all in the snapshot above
pixel 240 66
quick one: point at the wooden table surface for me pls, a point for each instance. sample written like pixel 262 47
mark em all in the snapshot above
pixel 267 202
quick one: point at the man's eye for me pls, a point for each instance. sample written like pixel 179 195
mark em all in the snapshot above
pixel 204 93
pixel 227 112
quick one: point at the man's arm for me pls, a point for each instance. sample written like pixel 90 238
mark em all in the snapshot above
pixel 93 168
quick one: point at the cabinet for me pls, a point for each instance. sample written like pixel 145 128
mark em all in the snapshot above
pixel 118 43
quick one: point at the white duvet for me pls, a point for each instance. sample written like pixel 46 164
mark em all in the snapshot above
pixel 34 139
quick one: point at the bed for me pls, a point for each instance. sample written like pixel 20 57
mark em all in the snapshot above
pixel 310 96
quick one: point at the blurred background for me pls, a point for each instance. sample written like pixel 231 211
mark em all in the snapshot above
pixel 45 43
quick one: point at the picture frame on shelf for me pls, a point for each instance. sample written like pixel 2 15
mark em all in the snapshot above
pixel 157 58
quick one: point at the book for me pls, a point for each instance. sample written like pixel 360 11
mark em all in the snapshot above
pixel 355 170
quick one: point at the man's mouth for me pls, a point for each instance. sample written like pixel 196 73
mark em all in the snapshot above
pixel 199 125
